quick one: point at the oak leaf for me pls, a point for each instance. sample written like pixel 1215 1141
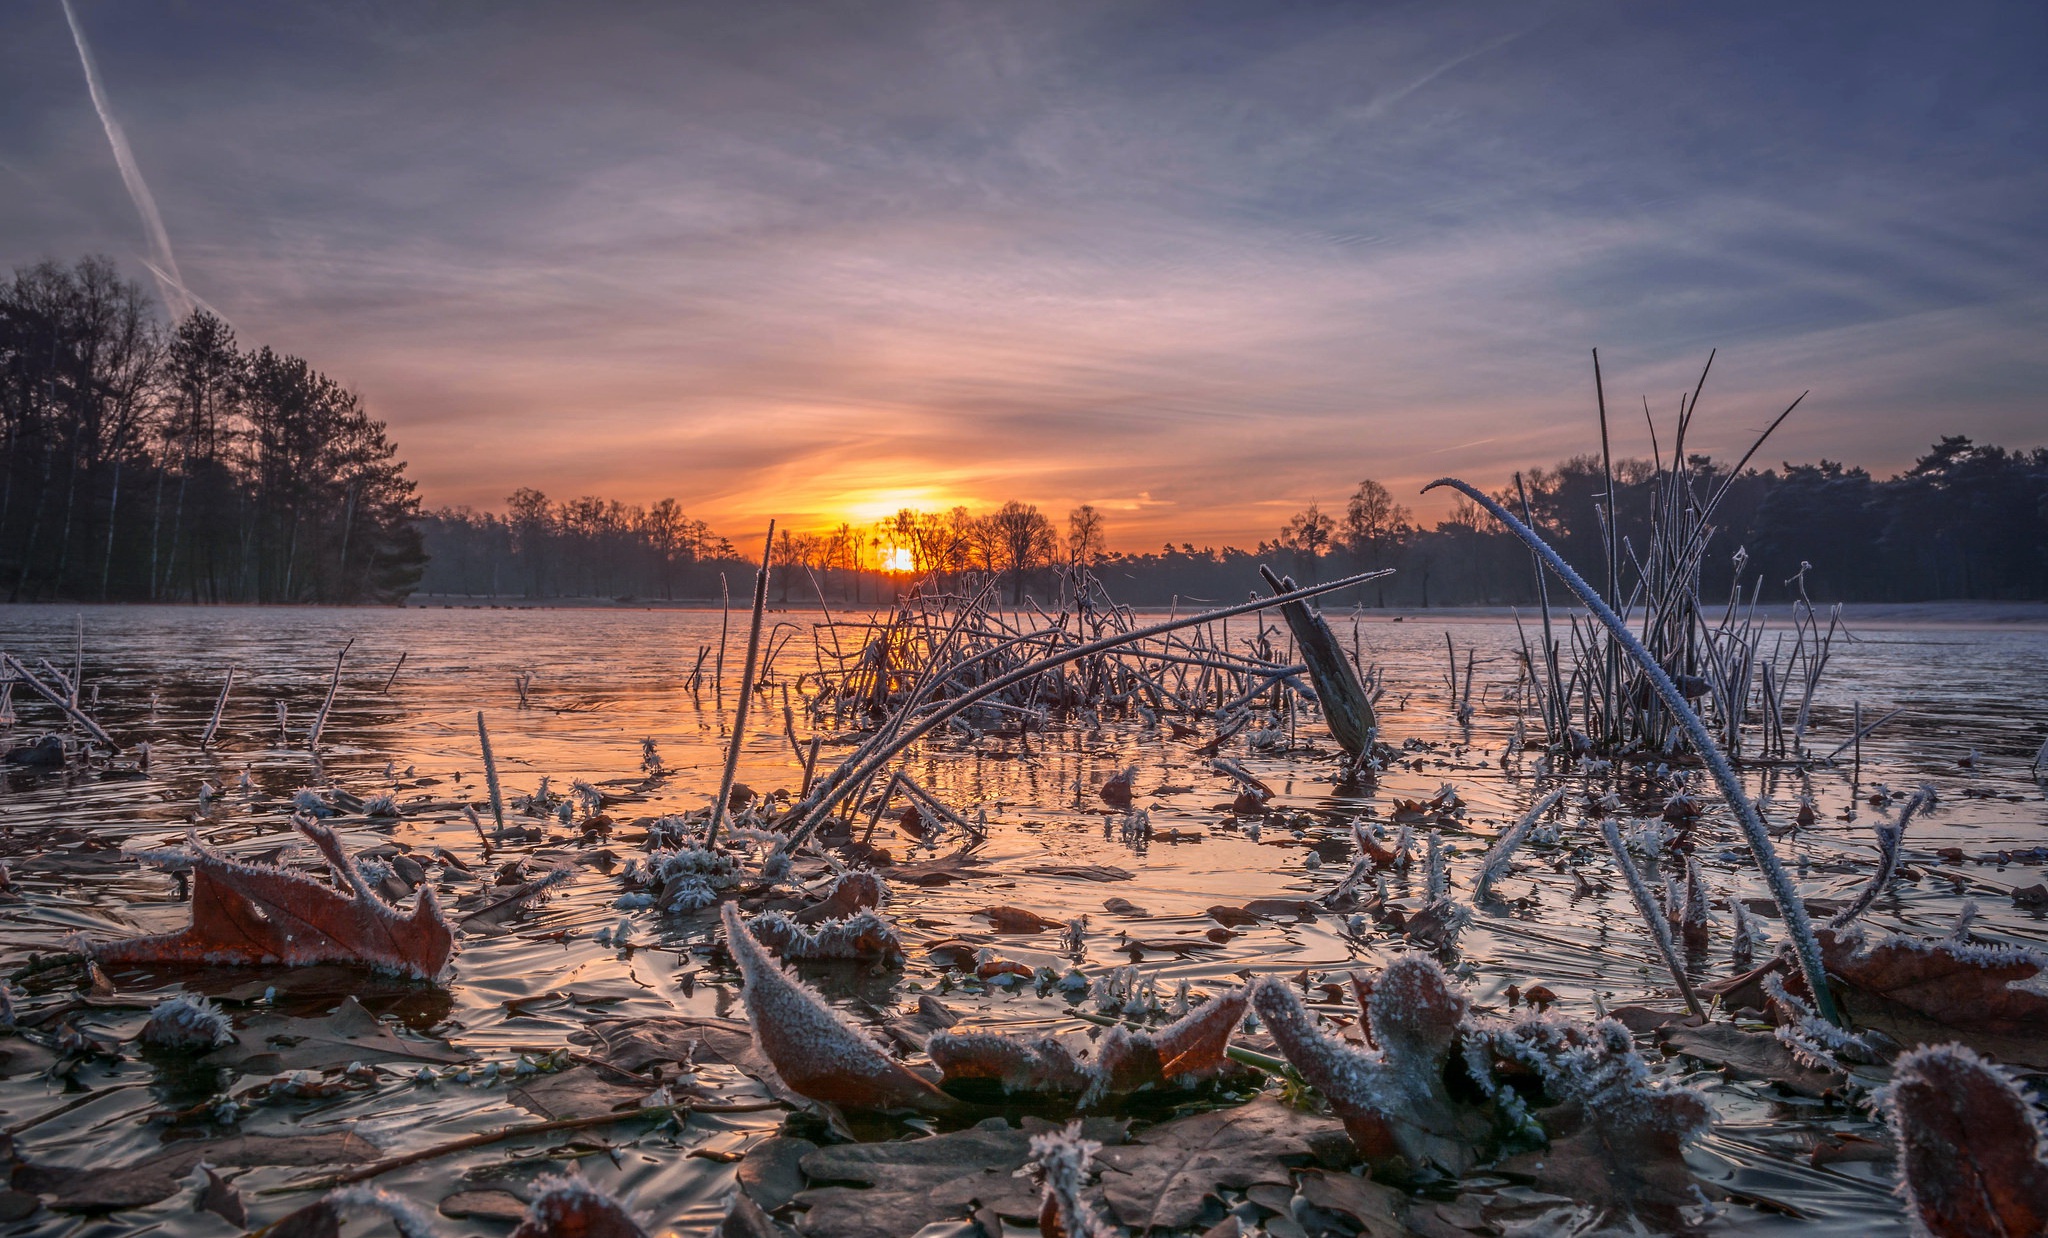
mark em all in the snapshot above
pixel 257 914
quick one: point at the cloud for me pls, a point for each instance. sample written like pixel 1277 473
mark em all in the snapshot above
pixel 801 268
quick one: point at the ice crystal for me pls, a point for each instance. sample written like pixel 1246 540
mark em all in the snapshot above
pixel 186 1023
pixel 1060 1162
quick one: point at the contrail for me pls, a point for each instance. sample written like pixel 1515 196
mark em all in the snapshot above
pixel 162 263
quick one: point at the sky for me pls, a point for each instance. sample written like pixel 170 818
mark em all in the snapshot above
pixel 1198 264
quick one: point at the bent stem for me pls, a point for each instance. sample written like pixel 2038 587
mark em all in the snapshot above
pixel 1797 923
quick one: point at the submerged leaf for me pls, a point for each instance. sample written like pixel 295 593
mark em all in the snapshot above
pixel 256 914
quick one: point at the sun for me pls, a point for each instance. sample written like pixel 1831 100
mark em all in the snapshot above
pixel 898 560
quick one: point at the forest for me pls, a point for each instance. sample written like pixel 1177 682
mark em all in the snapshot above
pixel 1964 522
pixel 145 462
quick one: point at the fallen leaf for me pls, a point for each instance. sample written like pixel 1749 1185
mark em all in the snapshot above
pixel 1231 917
pixel 272 1044
pixel 160 1175
pixel 252 914
pixel 1751 1055
pixel 579 1092
pixel 1167 1178
pixel 1083 872
pixel 1116 792
pixel 489 1205
pixel 813 1050
pixel 1016 920
pixel 908 1184
pixel 1394 1102
pixel 1926 991
pixel 219 1196
pixel 1373 1209
pixel 1972 1159
pixel 946 869
pixel 771 1174
pixel 854 892
pixel 566 1206
pixel 1616 1139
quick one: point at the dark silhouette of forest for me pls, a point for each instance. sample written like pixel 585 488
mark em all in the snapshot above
pixel 1965 522
pixel 144 462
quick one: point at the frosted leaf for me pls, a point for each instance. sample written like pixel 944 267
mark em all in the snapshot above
pixel 863 936
pixel 1393 1100
pixel 1973 1157
pixel 405 1215
pixel 567 1206
pixel 817 1053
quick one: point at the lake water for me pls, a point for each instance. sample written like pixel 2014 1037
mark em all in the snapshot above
pixel 1975 711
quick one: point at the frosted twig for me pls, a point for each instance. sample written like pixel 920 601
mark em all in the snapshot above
pixel 1495 866
pixel 483 739
pixel 213 724
pixel 739 717
pixel 1891 845
pixel 1660 928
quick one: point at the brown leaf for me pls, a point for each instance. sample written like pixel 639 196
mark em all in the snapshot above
pixel 277 1043
pixel 1232 917
pixel 854 892
pixel 1751 1055
pixel 1972 1159
pixel 253 914
pixel 946 869
pixel 568 1207
pixel 1165 1179
pixel 813 1050
pixel 579 1092
pixel 1928 991
pixel 489 1205
pixel 1016 920
pixel 1117 791
pixel 220 1197
pixel 160 1175
pixel 908 1184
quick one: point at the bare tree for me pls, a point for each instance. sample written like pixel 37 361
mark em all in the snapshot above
pixel 1309 534
pixel 1087 539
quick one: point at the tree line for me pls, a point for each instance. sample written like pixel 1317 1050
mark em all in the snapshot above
pixel 1964 522
pixel 141 461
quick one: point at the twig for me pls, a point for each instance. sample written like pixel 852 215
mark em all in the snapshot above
pixel 739 718
pixel 393 676
pixel 57 698
pixel 214 723
pixel 333 686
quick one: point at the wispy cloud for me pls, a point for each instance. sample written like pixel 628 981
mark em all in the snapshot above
pixel 162 263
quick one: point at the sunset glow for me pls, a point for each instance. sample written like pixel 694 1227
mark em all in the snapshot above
pixel 898 560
